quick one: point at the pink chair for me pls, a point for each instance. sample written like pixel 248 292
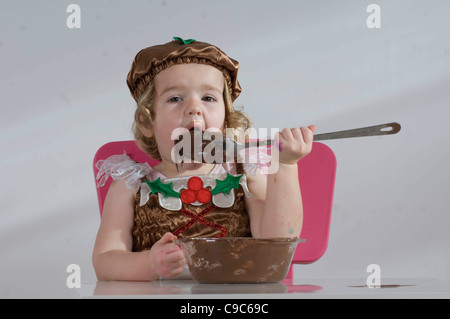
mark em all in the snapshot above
pixel 116 148
pixel 317 173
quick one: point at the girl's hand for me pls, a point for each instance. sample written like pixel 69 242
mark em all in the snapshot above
pixel 294 144
pixel 166 257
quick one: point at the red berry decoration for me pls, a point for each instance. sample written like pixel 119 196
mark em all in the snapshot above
pixel 187 196
pixel 203 195
pixel 195 192
pixel 195 183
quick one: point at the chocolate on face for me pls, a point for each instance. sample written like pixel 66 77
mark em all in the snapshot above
pixel 202 147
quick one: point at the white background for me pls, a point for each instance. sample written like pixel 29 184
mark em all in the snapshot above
pixel 63 95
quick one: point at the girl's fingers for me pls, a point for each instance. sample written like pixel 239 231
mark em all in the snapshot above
pixel 167 238
pixel 298 134
pixel 313 128
pixel 174 272
pixel 176 258
pixel 294 144
pixel 166 243
pixel 171 248
pixel 307 134
pixel 174 264
pixel 286 134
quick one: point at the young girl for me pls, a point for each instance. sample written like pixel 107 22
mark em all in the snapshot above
pixel 189 84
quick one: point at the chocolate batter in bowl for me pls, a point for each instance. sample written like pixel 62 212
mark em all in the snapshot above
pixel 238 259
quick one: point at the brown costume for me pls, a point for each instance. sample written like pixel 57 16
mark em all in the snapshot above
pixel 152 221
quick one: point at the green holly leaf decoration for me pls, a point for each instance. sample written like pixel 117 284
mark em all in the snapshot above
pixel 226 185
pixel 188 41
pixel 165 189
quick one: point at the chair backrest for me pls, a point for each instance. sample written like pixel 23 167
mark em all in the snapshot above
pixel 317 173
pixel 115 148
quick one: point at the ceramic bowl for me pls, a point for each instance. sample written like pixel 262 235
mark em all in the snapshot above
pixel 238 259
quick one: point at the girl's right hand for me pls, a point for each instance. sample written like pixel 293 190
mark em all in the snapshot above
pixel 166 257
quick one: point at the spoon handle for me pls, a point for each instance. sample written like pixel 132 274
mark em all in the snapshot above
pixel 382 129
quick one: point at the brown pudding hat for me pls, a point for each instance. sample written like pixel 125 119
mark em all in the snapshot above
pixel 152 60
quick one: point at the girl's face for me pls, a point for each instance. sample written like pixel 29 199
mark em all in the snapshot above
pixel 187 96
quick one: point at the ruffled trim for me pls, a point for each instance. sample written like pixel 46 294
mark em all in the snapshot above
pixel 122 167
pixel 254 158
pixel 223 200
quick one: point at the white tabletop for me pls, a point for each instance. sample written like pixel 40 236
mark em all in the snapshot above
pixel 314 288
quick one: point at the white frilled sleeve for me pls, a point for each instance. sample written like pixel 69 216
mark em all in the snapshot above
pixel 254 158
pixel 122 167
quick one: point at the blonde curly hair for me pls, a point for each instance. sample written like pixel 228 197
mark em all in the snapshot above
pixel 145 114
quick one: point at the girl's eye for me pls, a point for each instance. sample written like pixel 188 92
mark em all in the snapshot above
pixel 175 99
pixel 209 99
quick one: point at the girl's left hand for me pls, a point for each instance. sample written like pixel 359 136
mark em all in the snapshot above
pixel 294 144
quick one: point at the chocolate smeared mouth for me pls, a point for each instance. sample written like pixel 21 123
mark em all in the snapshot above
pixel 196 123
pixel 195 145
pixel 195 129
pixel 201 147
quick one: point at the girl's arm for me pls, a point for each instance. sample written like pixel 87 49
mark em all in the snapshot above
pixel 276 209
pixel 112 256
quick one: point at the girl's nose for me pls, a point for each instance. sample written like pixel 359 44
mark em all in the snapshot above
pixel 194 108
pixel 196 111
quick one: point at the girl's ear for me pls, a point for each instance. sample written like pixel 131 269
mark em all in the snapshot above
pixel 143 123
